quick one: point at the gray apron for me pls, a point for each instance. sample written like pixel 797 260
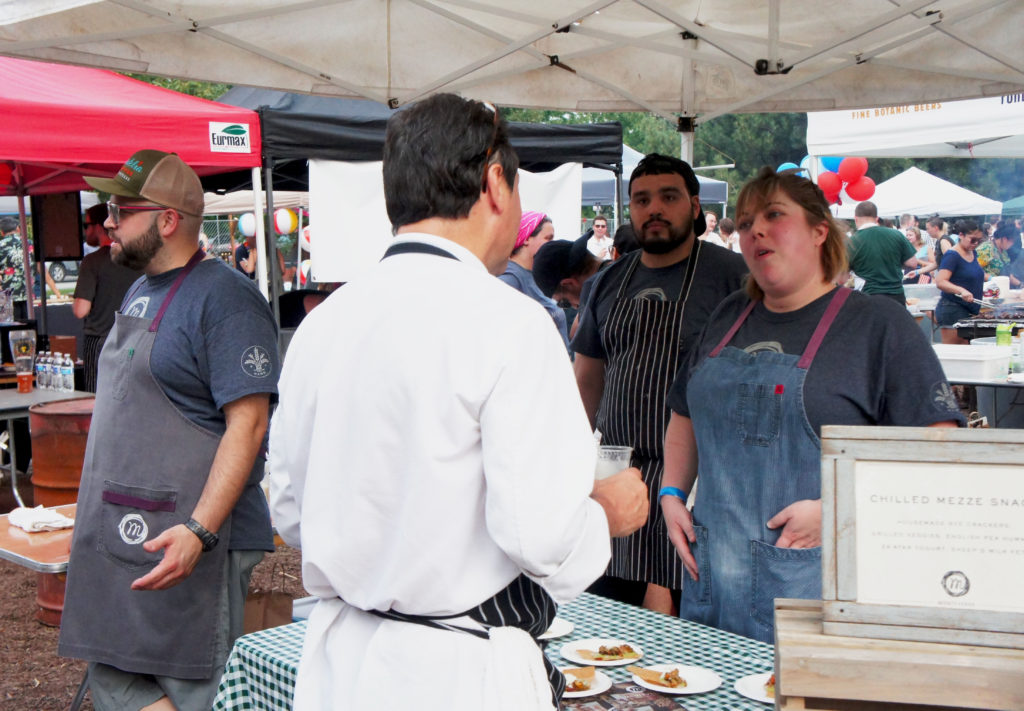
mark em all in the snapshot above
pixel 145 467
pixel 643 340
pixel 758 454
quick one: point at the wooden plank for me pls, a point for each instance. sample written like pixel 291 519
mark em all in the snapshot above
pixel 828 528
pixel 914 616
pixel 814 665
pixel 832 434
pixel 845 543
pixel 942 635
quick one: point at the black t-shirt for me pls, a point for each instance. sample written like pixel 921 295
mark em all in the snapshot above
pixel 242 252
pixel 875 366
pixel 103 283
pixel 718 273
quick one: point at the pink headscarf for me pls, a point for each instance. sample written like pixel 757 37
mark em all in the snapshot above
pixel 527 225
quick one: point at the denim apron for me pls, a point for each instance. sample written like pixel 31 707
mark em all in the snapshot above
pixel 643 340
pixel 145 468
pixel 758 454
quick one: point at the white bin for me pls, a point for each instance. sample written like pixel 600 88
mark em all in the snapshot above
pixel 967 363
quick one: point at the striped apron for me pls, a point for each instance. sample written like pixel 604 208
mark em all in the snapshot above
pixel 642 338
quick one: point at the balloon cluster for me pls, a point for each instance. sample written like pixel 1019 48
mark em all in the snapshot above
pixel 285 222
pixel 835 175
pixel 849 174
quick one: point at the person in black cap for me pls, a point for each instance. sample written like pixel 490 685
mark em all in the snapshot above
pixel 560 267
pixel 643 314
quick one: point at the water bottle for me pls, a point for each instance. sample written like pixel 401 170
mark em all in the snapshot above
pixel 67 372
pixel 43 371
pixel 56 379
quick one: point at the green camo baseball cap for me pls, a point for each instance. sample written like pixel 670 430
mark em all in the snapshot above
pixel 159 177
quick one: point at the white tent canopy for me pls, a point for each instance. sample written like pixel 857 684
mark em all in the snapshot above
pixel 693 58
pixel 242 201
pixel 979 128
pixel 915 192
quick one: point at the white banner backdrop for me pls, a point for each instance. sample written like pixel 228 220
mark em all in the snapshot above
pixel 349 226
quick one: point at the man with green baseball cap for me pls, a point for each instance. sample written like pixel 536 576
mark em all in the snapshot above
pixel 171 518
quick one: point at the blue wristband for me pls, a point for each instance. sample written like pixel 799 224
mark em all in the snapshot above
pixel 672 491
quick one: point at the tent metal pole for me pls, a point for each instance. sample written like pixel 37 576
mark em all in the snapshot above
pixel 618 196
pixel 271 244
pixel 26 261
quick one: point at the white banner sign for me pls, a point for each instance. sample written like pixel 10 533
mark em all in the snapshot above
pixel 940 535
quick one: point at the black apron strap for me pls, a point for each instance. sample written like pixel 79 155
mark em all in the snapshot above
pixel 522 603
pixel 416 248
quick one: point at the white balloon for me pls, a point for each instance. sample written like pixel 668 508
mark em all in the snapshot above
pixel 304 238
pixel 247 224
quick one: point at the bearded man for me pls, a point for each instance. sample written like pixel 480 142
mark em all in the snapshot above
pixel 637 327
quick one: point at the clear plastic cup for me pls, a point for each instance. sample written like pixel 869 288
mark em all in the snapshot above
pixel 612 459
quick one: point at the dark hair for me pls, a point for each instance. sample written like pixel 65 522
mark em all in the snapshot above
pixel 865 209
pixel 8 224
pixel 967 225
pixel 435 155
pixel 758 192
pixel 625 239
pixel 935 222
pixel 658 164
pixel 602 218
pixel 727 226
pixel 1006 230
pixel 97 214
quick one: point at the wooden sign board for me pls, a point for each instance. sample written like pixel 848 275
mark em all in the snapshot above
pixel 923 534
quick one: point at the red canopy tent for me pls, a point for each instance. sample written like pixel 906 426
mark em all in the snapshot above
pixel 61 122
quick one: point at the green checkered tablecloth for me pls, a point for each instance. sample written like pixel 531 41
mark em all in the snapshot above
pixel 260 673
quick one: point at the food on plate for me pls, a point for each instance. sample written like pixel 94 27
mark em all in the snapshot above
pixel 578 679
pixel 609 654
pixel 769 687
pixel 670 678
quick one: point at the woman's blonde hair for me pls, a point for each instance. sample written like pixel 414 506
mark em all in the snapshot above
pixel 757 193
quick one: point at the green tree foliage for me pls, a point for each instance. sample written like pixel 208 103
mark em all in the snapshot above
pixel 202 89
pixel 754 140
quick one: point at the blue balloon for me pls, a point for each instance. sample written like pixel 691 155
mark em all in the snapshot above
pixel 804 163
pixel 831 163
pixel 787 166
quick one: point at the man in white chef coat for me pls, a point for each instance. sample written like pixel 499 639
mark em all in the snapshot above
pixel 430 452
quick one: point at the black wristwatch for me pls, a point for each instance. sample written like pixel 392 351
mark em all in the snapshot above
pixel 209 540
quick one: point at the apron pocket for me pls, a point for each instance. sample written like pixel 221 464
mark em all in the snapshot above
pixel 122 370
pixel 758 413
pixel 130 516
pixel 698 592
pixel 782 572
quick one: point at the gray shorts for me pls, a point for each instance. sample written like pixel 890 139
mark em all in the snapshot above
pixel 115 690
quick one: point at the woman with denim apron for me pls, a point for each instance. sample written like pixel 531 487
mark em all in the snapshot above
pixel 755 531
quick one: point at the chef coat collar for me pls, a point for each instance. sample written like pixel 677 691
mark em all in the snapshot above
pixel 457 250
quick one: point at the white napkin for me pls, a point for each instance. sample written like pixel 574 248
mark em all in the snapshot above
pixel 515 679
pixel 39 519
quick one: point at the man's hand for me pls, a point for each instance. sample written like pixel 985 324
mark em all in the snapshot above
pixel 182 549
pixel 801 524
pixel 624 499
pixel 680 531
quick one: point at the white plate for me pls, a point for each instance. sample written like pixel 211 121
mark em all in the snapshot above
pixel 698 679
pixel 570 651
pixel 752 687
pixel 559 628
pixel 601 683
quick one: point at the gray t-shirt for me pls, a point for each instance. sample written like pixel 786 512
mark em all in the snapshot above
pixel 875 366
pixel 103 283
pixel 217 343
pixel 718 273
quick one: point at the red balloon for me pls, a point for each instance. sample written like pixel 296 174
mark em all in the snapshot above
pixel 831 198
pixel 862 189
pixel 853 169
pixel 830 183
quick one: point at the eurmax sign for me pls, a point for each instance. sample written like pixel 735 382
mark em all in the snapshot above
pixel 229 137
